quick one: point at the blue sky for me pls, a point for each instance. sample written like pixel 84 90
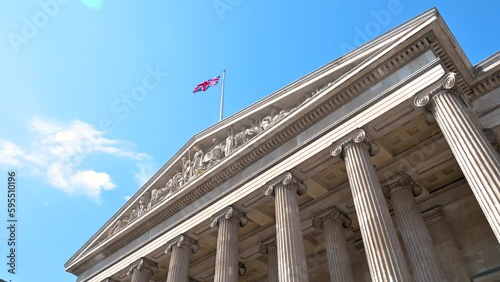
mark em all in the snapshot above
pixel 81 143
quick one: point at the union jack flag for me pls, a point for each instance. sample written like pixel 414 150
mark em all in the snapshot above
pixel 205 85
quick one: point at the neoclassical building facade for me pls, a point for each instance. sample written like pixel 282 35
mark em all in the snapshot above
pixel 382 165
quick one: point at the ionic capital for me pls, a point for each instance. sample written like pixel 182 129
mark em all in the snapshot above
pixel 229 213
pixel 433 215
pixel 333 214
pixel 267 245
pixel 358 136
pixel 182 241
pixel 143 264
pixel 445 84
pixel 287 181
pixel 400 181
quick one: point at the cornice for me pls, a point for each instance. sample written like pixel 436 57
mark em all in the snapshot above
pixel 485 86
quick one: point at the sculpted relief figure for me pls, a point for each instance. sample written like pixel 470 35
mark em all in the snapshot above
pixel 154 198
pixel 177 182
pixel 240 138
pixel 202 161
pixel 229 147
pixel 266 122
pixel 273 118
pixel 253 130
pixel 187 170
pixel 142 206
pixel 198 166
pixel 215 155
pixel 119 224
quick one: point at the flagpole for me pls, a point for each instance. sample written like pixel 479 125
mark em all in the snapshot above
pixel 222 95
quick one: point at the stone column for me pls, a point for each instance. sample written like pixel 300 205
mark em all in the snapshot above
pixel 227 265
pixel 446 245
pixel 291 256
pixel 477 158
pixel 333 222
pixel 416 238
pixel 383 250
pixel 180 247
pixel 269 247
pixel 142 270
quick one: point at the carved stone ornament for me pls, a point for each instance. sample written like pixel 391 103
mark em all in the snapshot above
pixel 331 214
pixel 182 241
pixel 433 215
pixel 267 244
pixel 400 181
pixel 242 269
pixel 286 180
pixel 358 136
pixel 199 160
pixel 447 83
pixel 229 213
pixel 141 264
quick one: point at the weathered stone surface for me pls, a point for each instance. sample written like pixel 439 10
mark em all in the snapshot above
pixel 416 238
pixel 269 247
pixel 333 222
pixel 227 266
pixel 291 256
pixel 142 269
pixel 477 158
pixel 383 250
pixel 180 247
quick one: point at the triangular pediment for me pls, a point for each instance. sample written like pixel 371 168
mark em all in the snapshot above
pixel 215 154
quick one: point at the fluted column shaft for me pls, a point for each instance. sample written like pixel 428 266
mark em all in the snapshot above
pixel 383 250
pixel 181 248
pixel 478 160
pixel 227 255
pixel 291 256
pixel 142 269
pixel 339 261
pixel 416 238
pixel 271 250
pixel 226 263
pixel 179 263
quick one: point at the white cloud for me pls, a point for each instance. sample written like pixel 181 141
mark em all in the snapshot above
pixel 10 154
pixel 59 149
pixel 144 174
